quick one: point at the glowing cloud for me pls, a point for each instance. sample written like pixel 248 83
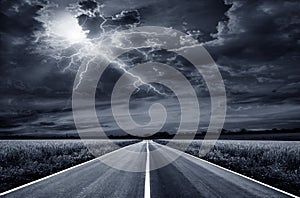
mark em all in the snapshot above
pixel 66 27
pixel 64 40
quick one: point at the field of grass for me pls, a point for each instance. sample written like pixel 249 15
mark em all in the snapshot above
pixel 23 161
pixel 276 163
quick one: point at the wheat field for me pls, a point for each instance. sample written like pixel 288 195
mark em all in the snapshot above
pixel 23 161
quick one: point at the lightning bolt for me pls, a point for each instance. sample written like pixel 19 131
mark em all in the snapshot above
pixel 61 49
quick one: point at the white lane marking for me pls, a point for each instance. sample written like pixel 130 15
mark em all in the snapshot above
pixel 266 185
pixel 49 176
pixel 147 174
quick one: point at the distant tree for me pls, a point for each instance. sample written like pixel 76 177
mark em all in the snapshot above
pixel 224 131
pixel 243 130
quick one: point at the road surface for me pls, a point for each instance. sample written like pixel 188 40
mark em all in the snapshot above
pixel 185 177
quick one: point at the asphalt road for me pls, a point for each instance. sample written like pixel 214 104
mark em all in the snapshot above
pixel 185 177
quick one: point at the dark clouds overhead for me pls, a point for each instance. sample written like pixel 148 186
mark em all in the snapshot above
pixel 258 47
pixel 255 43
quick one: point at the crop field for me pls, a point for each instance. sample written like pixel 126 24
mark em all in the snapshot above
pixel 23 161
pixel 276 163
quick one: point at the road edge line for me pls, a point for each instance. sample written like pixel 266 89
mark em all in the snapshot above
pixel 62 171
pixel 244 176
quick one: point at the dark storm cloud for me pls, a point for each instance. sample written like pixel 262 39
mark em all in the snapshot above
pixel 96 23
pixel 88 5
pixel 30 86
pixel 12 12
pixel 255 43
pixel 181 15
pixel 34 89
pixel 22 71
pixel 15 34
pixel 257 50
pixel 259 30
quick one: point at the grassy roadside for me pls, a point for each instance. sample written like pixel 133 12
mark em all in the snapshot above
pixel 23 161
pixel 276 163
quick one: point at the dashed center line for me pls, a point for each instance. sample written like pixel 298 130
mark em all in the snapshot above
pixel 147 173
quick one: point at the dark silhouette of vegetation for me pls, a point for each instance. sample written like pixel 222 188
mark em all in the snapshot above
pixel 242 134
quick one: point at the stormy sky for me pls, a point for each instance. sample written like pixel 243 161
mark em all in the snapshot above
pixel 256 45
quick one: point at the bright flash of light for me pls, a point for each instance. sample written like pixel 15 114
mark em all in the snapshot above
pixel 66 27
pixel 65 41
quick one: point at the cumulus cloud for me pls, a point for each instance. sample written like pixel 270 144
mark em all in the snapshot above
pixel 258 48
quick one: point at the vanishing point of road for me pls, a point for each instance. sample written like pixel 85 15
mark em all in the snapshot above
pixel 187 176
